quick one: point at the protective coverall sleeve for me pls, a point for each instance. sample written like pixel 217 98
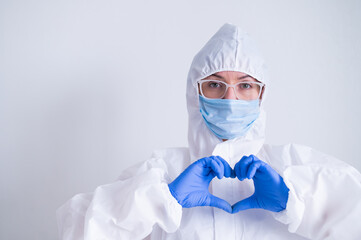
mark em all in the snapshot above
pixel 125 209
pixel 324 197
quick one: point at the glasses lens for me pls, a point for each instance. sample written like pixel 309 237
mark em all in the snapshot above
pixel 247 90
pixel 213 89
pixel 243 90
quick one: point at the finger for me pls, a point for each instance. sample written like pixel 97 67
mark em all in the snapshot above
pixel 254 157
pixel 216 166
pixel 220 173
pixel 226 167
pixel 245 204
pixel 242 167
pixel 220 203
pixel 245 165
pixel 207 163
pixel 237 171
pixel 254 166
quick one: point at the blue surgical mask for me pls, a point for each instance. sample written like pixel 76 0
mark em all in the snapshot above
pixel 228 118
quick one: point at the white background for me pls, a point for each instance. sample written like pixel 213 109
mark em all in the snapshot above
pixel 88 88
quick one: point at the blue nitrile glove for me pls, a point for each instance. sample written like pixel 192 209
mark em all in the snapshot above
pixel 271 193
pixel 190 188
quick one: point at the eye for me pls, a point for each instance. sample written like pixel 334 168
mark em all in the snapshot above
pixel 245 85
pixel 214 85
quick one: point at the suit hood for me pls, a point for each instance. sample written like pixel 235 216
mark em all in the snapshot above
pixel 229 49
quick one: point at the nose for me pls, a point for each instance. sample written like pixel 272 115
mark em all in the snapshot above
pixel 230 94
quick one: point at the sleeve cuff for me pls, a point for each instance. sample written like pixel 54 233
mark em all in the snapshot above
pixel 172 206
pixel 293 214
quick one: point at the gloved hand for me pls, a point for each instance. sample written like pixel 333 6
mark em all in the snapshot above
pixel 271 193
pixel 190 188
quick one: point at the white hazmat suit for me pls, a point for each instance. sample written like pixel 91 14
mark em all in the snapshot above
pixel 324 193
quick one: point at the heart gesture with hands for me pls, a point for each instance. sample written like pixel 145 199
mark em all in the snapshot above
pixel 190 188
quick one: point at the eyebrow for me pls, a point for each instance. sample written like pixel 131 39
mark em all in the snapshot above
pixel 218 76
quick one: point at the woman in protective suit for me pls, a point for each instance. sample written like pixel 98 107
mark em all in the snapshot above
pixel 228 184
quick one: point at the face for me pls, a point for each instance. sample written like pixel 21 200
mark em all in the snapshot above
pixel 232 77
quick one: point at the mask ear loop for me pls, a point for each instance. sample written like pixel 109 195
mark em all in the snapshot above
pixel 198 92
pixel 261 94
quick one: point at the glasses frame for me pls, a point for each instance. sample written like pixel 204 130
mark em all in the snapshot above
pixel 200 82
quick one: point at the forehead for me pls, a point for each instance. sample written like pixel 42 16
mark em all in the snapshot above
pixel 231 76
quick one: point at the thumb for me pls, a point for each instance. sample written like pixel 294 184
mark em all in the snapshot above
pixel 245 204
pixel 220 203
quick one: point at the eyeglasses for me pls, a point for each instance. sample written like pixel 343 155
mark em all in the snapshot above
pixel 243 90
